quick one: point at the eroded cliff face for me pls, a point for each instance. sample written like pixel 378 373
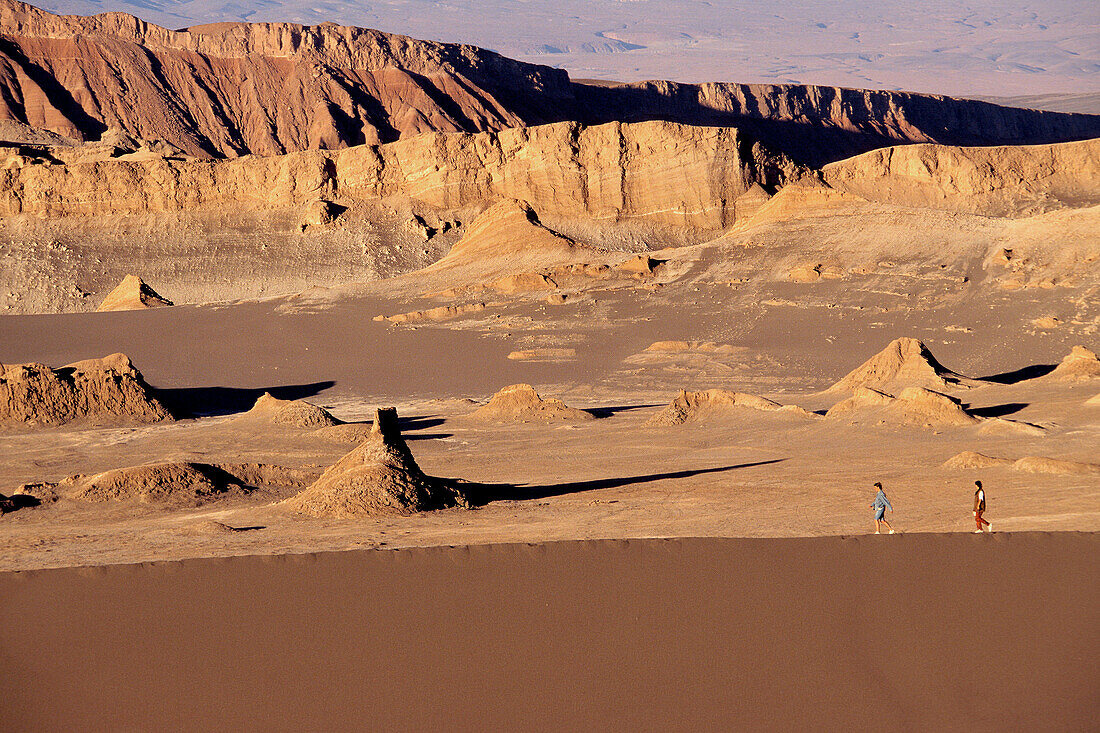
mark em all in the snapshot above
pixel 996 181
pixel 660 173
pixel 264 88
pixel 270 88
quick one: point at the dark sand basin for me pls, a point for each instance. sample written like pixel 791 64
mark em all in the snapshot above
pixel 930 632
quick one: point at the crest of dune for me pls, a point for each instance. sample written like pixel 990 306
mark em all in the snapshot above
pixel 108 388
pixel 378 477
pixel 132 294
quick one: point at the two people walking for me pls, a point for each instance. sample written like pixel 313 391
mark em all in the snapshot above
pixel 881 505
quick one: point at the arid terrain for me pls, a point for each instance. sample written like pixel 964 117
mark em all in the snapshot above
pixel 271 289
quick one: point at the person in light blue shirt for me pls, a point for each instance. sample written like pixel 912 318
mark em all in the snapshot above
pixel 880 505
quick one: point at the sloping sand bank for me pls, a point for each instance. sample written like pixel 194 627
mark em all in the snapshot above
pixel 930 632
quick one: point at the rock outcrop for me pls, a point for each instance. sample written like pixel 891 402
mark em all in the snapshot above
pixel 1027 464
pixel 912 406
pixel 173 483
pixel 291 413
pixel 378 477
pixel 177 483
pixel 905 362
pixel 1021 180
pixel 973 459
pixel 692 406
pixel 1079 365
pixel 132 294
pixel 520 403
pixel 108 389
pixel 657 173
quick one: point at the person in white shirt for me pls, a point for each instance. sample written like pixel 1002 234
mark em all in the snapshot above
pixel 979 508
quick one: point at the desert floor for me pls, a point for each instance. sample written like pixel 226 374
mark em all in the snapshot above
pixel 745 474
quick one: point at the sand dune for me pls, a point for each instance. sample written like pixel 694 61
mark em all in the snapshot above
pixel 759 634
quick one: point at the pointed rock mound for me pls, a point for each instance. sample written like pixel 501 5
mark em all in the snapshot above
pixel 521 403
pixel 508 229
pixel 693 406
pixel 110 388
pixel 906 362
pixel 293 413
pixel 912 406
pixel 380 476
pixel 1079 365
pixel 132 294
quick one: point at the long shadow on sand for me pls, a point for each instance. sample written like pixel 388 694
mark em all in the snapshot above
pixel 602 412
pixel 1021 375
pixel 1008 408
pixel 215 401
pixel 485 493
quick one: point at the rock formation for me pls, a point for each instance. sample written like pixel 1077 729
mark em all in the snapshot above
pixel 693 406
pixel 521 403
pixel 132 294
pixel 173 483
pixel 655 172
pixel 1027 464
pixel 379 476
pixel 912 406
pixel 905 362
pixel 1079 365
pixel 292 413
pixel 973 459
pixel 993 181
pixel 106 389
pixel 178 483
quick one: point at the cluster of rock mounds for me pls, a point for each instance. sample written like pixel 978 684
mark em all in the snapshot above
pixel 904 384
pixel 107 389
pixel 1029 464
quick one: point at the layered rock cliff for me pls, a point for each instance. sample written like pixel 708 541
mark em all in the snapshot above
pixel 660 173
pixel 994 181
pixel 269 88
